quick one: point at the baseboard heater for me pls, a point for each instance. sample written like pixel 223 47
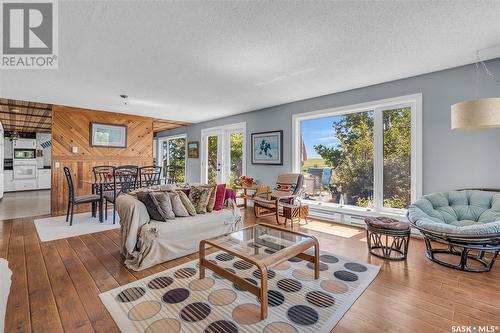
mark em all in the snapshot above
pixel 335 216
pixel 346 218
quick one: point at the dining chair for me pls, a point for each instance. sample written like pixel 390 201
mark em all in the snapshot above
pixel 125 180
pixel 103 178
pixel 149 176
pixel 103 173
pixel 77 200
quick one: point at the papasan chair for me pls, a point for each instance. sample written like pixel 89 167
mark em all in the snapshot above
pixel 467 222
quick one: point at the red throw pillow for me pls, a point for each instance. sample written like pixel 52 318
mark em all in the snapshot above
pixel 220 195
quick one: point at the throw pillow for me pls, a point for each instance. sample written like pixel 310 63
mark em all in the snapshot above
pixel 220 196
pixel 211 201
pixel 199 197
pixel 158 205
pixel 186 202
pixel 177 205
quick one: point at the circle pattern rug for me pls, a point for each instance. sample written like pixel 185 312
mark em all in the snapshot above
pixel 175 300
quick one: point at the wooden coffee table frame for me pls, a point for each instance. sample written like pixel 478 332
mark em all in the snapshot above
pixel 263 264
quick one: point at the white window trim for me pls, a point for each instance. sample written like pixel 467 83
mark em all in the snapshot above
pixel 163 139
pixel 415 101
pixel 225 132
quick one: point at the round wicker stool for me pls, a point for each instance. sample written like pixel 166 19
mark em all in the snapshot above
pixel 387 238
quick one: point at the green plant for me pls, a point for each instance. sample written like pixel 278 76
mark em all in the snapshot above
pixel 396 202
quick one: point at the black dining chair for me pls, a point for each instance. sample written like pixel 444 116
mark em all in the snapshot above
pixel 125 179
pixel 103 174
pixel 149 176
pixel 77 200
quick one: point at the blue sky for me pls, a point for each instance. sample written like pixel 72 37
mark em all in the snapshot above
pixel 318 132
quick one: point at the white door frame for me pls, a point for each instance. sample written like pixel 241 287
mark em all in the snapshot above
pixel 224 133
pixel 159 150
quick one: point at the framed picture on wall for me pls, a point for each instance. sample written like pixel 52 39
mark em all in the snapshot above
pixel 193 149
pixel 267 148
pixel 107 135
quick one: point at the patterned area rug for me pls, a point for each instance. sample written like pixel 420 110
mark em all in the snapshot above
pixel 175 300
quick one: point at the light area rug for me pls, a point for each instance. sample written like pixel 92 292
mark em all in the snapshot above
pixel 175 300
pixel 5 281
pixel 53 228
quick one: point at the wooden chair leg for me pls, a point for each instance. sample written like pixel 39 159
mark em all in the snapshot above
pixel 278 216
pixel 71 218
pixel 257 210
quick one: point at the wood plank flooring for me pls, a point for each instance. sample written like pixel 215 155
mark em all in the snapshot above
pixel 55 284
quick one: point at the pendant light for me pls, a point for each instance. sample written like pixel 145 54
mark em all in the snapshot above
pixel 480 112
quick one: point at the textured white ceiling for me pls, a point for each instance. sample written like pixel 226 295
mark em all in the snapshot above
pixel 194 61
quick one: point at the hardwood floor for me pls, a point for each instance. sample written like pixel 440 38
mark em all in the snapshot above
pixel 55 284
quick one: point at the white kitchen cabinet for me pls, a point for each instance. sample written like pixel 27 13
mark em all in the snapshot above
pixel 25 184
pixel 8 181
pixel 24 144
pixel 43 179
pixel 7 144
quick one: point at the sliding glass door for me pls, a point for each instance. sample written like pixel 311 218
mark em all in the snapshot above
pixel 223 154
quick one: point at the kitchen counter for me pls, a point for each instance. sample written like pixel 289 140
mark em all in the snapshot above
pixel 41 182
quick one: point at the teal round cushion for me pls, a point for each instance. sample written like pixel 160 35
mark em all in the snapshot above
pixel 467 212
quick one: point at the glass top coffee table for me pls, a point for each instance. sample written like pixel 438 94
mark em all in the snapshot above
pixel 265 246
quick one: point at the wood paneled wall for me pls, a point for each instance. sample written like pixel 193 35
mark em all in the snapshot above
pixel 70 128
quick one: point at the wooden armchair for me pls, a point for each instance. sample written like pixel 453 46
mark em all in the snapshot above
pixel 288 187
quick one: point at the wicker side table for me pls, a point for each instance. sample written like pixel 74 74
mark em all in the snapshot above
pixel 387 238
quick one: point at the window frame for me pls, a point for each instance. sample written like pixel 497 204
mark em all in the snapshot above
pixel 162 140
pixel 415 102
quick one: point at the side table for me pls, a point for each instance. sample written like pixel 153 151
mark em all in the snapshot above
pixel 294 212
pixel 245 195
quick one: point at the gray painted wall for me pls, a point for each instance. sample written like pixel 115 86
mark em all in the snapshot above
pixel 451 159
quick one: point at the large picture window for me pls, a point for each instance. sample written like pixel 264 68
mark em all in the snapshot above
pixel 362 157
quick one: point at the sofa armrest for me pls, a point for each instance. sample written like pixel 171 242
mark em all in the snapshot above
pixel 133 215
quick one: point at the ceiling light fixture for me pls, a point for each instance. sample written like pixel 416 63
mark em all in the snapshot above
pixel 480 112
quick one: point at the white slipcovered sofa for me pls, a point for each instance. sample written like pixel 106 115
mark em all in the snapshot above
pixel 147 242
